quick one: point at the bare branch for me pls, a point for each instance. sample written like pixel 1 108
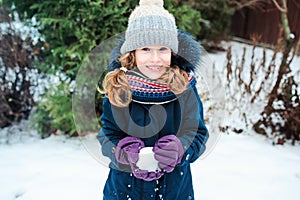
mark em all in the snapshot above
pixel 240 4
pixel 284 9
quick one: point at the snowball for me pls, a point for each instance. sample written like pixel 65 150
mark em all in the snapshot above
pixel 146 160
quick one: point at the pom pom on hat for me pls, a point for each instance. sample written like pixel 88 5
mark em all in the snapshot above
pixel 159 3
pixel 150 24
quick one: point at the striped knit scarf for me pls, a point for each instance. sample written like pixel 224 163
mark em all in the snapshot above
pixel 145 90
pixel 139 82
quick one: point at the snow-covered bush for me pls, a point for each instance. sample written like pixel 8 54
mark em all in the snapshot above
pixel 263 91
pixel 17 74
pixel 281 116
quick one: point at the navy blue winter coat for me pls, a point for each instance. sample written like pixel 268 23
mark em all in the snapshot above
pixel 150 118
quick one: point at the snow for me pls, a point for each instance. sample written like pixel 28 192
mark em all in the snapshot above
pixel 244 166
pixel 147 161
pixel 248 167
pixel 240 166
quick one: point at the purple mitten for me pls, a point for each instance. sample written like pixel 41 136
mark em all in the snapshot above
pixel 127 150
pixel 168 152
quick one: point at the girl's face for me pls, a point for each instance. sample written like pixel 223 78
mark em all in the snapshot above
pixel 153 60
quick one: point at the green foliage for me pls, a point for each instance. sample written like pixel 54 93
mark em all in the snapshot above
pixel 217 15
pixel 71 29
pixel 41 121
pixel 55 111
pixel 187 18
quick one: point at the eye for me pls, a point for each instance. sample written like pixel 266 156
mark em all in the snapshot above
pixel 145 49
pixel 164 49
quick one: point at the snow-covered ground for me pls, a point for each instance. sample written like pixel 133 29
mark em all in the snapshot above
pixel 241 166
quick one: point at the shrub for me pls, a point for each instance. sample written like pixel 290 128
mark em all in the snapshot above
pixel 264 93
pixel 280 116
pixel 17 74
pixel 216 16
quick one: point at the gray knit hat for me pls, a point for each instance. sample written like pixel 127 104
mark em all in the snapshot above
pixel 150 24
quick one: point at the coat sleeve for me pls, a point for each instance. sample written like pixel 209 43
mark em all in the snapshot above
pixel 193 133
pixel 110 134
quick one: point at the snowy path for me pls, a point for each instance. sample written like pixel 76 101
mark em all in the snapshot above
pixel 240 167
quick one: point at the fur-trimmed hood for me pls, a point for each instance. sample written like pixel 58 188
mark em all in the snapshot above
pixel 188 57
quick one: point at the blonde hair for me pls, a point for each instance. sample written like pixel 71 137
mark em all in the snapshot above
pixel 117 88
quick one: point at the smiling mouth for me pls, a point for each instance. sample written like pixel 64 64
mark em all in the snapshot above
pixel 154 67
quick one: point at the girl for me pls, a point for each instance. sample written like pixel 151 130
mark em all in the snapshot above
pixel 152 101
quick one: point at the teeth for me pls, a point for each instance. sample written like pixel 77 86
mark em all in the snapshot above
pixel 154 67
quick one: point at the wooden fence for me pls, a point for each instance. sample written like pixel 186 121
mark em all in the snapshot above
pixel 264 22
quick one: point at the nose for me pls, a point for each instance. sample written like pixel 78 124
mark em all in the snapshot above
pixel 155 56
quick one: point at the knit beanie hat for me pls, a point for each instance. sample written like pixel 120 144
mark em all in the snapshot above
pixel 150 24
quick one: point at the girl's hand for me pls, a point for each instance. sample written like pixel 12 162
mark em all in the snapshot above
pixel 127 150
pixel 168 152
